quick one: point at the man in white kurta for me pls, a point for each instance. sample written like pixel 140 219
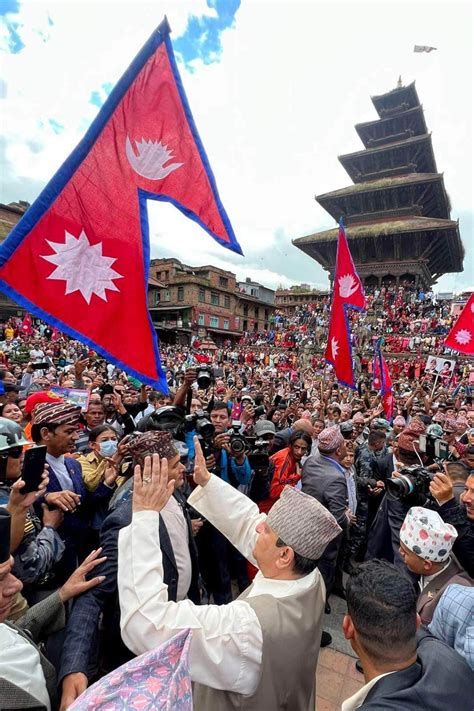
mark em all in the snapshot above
pixel 226 650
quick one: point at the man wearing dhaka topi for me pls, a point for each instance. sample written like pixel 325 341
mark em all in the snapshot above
pixel 259 651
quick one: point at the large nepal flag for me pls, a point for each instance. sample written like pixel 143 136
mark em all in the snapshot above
pixel 348 292
pixel 461 336
pixel 382 381
pixel 79 258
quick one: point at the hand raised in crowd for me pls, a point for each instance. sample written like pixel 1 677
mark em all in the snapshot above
pixel 190 376
pixel 22 502
pixel 221 441
pixel 65 500
pixel 77 583
pixel 201 474
pixel 441 488
pixel 52 517
pixel 80 366
pixel 151 488
pixel 247 414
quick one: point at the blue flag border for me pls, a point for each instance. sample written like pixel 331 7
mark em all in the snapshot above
pixel 62 176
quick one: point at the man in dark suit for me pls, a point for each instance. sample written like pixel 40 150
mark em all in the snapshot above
pixel 324 478
pixel 79 658
pixel 425 546
pixel 402 669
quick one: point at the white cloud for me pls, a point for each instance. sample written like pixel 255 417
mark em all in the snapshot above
pixel 274 113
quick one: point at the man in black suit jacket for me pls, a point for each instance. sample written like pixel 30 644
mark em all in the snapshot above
pixel 79 658
pixel 402 669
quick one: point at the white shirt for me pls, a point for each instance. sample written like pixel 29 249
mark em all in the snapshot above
pixel 226 645
pixel 426 579
pixel 177 528
pixel 20 664
pixel 59 468
pixel 356 701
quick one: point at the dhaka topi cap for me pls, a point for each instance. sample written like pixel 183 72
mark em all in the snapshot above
pixel 408 442
pixel 302 523
pixel 426 534
pixel 262 427
pixel 347 409
pixel 439 417
pixel 41 397
pixel 450 424
pixel 330 439
pixel 56 413
pixel 399 421
pixel 153 442
pixel 358 419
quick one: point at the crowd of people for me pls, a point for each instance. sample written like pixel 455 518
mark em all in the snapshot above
pixel 223 514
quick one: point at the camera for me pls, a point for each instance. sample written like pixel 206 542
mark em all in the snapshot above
pixel 412 480
pixel 204 429
pixel 237 442
pixel 259 455
pixel 230 382
pixel 204 377
pixel 165 419
pixel 434 447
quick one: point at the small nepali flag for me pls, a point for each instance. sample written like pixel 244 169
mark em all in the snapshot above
pixel 26 327
pixel 461 336
pixel 79 257
pixel 382 381
pixel 348 293
pixel 423 48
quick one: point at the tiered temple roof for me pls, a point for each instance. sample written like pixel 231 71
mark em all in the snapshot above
pixel 397 211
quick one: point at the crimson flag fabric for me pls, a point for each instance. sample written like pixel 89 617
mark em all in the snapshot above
pixel 382 381
pixel 348 292
pixel 461 336
pixel 27 325
pixel 79 258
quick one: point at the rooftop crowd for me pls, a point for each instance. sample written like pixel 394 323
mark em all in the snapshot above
pixel 199 534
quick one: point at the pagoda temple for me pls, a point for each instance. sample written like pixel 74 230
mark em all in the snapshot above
pixel 397 212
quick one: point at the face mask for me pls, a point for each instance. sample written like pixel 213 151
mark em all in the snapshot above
pixel 108 448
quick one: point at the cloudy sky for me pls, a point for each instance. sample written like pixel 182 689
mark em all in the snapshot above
pixel 275 87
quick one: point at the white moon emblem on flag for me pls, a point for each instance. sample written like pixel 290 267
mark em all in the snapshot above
pixel 151 159
pixel 82 266
pixel 334 347
pixel 347 286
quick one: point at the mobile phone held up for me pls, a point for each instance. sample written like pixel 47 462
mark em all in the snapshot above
pixel 41 366
pixel 32 470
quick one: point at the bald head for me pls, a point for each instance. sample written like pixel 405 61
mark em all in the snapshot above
pixel 303 425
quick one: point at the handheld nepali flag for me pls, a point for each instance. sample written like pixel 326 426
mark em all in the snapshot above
pixel 79 258
pixel 461 336
pixel 423 48
pixel 383 381
pixel 27 325
pixel 348 293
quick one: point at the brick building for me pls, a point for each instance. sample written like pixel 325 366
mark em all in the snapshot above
pixel 9 215
pixel 204 302
pixel 287 300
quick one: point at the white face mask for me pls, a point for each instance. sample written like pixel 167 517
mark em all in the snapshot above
pixel 108 448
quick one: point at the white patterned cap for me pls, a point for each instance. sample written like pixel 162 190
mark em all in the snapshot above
pixel 302 523
pixel 426 534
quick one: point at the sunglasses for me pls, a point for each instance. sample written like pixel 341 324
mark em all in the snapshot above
pixel 14 452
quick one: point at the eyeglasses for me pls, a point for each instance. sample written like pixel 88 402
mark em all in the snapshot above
pixel 14 452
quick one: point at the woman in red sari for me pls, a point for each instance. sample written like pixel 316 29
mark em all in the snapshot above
pixel 285 467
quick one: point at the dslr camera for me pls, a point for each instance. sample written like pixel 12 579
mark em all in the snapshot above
pixel 412 480
pixel 199 423
pixel 434 447
pixel 205 377
pixel 238 443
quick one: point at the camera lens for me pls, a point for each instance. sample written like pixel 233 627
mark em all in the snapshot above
pixel 400 487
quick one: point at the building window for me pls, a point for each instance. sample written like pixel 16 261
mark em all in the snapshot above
pixel 167 274
pixel 201 320
pixel 214 322
pixel 214 298
pixel 256 312
pixel 226 324
pixel 180 293
pixel 202 294
pixel 157 297
pixel 223 282
pixel 166 295
pixel 266 314
pixel 227 302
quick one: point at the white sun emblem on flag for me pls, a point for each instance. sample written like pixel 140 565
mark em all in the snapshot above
pixel 463 336
pixel 82 266
pixel 334 347
pixel 347 286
